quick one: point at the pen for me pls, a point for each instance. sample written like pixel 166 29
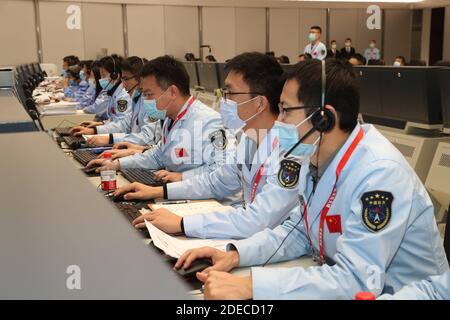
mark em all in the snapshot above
pixel 175 202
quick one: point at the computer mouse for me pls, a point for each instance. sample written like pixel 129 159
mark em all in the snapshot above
pixel 196 266
pixel 118 198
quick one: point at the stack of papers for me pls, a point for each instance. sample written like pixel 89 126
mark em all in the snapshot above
pixel 176 246
pixel 196 207
pixel 62 107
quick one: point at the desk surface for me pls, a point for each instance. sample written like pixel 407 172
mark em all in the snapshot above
pixel 52 219
pixel 13 117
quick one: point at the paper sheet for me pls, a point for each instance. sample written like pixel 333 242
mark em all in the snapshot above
pixel 176 246
pixel 196 207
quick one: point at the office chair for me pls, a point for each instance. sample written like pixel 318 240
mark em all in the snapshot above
pixel 447 235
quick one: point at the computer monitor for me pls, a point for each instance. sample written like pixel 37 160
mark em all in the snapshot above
pixel 287 67
pixel 208 76
pixel 393 96
pixel 444 83
pixel 191 68
pixel 222 74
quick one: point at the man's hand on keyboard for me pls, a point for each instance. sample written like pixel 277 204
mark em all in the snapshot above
pixel 167 176
pixel 79 130
pixel 139 191
pixel 97 141
pixel 95 163
pixel 90 124
pixel 128 145
pixel 108 165
pixel 163 219
pixel 117 153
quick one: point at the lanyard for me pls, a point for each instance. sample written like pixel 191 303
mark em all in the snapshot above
pixel 332 196
pixel 181 115
pixel 257 178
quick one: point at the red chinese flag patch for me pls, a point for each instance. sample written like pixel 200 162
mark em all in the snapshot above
pixel 334 224
pixel 180 152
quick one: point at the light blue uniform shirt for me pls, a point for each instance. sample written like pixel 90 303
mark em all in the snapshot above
pixel 100 104
pixel 85 97
pixel 77 90
pixel 232 177
pixel 434 288
pixel 135 127
pixel 119 105
pixel 407 248
pixel 188 146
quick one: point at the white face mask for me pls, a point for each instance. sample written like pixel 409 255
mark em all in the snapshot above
pixel 372 45
pixel 333 46
pixel 397 64
pixel 230 116
pixel 348 44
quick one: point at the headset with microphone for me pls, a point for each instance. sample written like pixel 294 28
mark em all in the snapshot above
pixel 114 75
pixel 322 120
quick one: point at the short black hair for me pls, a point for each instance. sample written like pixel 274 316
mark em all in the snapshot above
pixel 359 57
pixel 333 41
pixel 133 65
pixel 316 28
pixel 71 60
pixel 348 39
pixel 341 92
pixel 168 71
pixel 262 73
pixel 87 64
pixel 401 58
pixel 74 71
pixel 112 64
pixel 283 59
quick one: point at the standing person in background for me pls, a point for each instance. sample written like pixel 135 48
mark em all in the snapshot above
pixel 333 52
pixel 347 51
pixel 372 53
pixel 316 48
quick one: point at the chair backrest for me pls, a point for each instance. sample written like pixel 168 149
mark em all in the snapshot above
pixel 447 235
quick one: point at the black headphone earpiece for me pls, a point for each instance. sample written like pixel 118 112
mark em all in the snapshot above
pixel 114 74
pixel 323 120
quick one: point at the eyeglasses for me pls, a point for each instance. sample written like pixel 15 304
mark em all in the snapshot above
pixel 224 92
pixel 284 108
pixel 126 79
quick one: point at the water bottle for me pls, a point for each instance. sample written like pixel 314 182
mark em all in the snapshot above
pixel 108 177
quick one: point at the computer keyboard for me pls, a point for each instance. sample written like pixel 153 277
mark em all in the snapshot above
pixel 131 211
pixel 74 142
pixel 144 176
pixel 63 131
pixel 84 156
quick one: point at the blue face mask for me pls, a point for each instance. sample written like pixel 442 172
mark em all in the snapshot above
pixel 288 136
pixel 72 83
pixel 135 93
pixel 230 116
pixel 105 83
pixel 151 110
pixel 82 75
pixel 64 73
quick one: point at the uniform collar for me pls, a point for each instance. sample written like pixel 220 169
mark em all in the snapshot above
pixel 326 183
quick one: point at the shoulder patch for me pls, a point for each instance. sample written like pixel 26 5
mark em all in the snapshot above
pixel 289 173
pixel 377 209
pixel 122 105
pixel 219 139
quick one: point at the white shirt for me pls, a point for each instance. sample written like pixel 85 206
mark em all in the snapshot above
pixel 317 51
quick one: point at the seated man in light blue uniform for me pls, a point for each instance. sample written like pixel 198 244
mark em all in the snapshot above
pixel 136 127
pixel 252 174
pixel 187 146
pixel 364 215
